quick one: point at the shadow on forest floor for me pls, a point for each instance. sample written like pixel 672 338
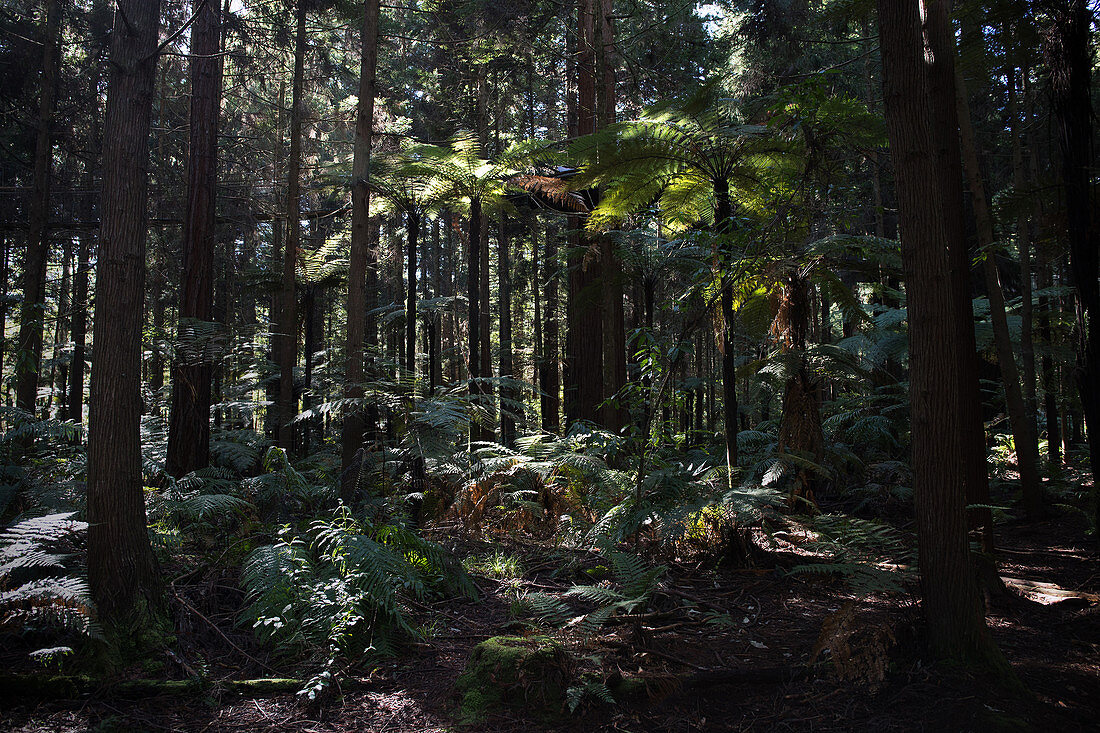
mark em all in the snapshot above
pixel 714 660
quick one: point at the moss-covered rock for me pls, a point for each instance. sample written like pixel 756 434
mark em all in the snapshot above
pixel 532 673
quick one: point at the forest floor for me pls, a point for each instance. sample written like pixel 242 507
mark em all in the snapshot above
pixel 727 649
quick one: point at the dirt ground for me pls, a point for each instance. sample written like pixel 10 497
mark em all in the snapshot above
pixel 725 649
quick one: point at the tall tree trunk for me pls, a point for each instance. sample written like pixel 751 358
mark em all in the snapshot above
pixel 32 313
pixel 1049 374
pixel 413 232
pixel 613 416
pixel 504 288
pixel 1068 55
pixel 1024 244
pixel 435 322
pixel 80 316
pixel 287 352
pixel 1020 420
pixel 360 260
pixel 4 254
pixel 61 334
pixel 584 388
pixel 485 324
pixel 121 569
pixel 539 347
pixel 189 418
pixel 723 218
pixel 945 131
pixel 952 606
pixel 271 414
pixel 549 374
pixel 473 296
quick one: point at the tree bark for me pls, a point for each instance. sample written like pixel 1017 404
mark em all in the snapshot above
pixel 473 296
pixel 287 352
pixel 61 335
pixel 413 234
pixel 945 137
pixel 81 307
pixel 360 260
pixel 723 218
pixel 1020 420
pixel 33 311
pixel 121 570
pixel 952 606
pixel 189 418
pixel 504 288
pixel 271 414
pixel 584 388
pixel 549 374
pixel 1068 56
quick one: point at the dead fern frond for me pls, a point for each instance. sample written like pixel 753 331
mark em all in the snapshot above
pixel 859 649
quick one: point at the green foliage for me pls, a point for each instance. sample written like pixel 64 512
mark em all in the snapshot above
pixel 343 586
pixel 872 557
pixel 629 589
pixel 40 590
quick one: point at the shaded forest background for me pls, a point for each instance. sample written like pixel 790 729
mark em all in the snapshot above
pixel 355 309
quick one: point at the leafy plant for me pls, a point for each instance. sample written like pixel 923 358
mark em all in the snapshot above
pixel 39 588
pixel 343 587
pixel 629 589
pixel 871 557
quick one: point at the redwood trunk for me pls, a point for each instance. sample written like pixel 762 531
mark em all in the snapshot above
pixel 360 260
pixel 956 624
pixel 504 288
pixel 1070 61
pixel 287 351
pixel 32 312
pixel 189 419
pixel 413 231
pixel 121 570
pixel 1020 420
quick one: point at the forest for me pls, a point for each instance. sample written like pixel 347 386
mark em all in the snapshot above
pixel 549 365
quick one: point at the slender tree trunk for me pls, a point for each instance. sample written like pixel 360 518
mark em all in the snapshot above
pixel 80 319
pixel 485 324
pixel 584 388
pixel 4 251
pixel 435 322
pixel 504 288
pixel 473 296
pixel 1024 244
pixel 1049 374
pixel 360 261
pixel 945 121
pixel 413 231
pixel 952 606
pixel 271 414
pixel 1021 422
pixel 1068 55
pixel 539 349
pixel 613 417
pixel 33 311
pixel 189 418
pixel 723 217
pixel 287 352
pixel 549 374
pixel 121 569
pixel 61 335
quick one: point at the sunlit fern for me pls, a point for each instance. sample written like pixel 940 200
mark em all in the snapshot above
pixel 343 587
